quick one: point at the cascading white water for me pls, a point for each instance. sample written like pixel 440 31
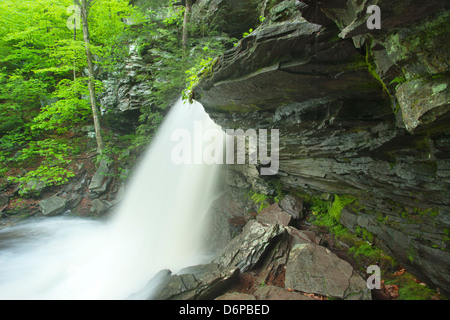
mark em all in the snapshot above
pixel 159 225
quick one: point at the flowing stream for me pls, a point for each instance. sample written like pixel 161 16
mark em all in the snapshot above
pixel 160 224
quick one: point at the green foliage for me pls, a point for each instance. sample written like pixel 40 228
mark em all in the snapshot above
pixel 361 247
pixel 338 205
pixel 280 194
pixel 328 214
pixel 399 80
pixel 174 70
pixel 194 74
pixel 52 169
pixel 38 59
pixel 259 199
pixel 410 289
pixel 366 235
pixel 373 70
pixel 264 200
pixel 68 110
pixel 246 34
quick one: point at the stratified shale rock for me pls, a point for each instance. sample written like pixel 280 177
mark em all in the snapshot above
pixel 360 112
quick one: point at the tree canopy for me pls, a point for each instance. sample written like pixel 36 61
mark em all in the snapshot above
pixel 44 76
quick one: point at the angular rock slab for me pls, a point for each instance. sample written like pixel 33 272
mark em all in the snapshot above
pixel 199 282
pixel 315 269
pixel 274 215
pixel 245 250
pixel 100 206
pixel 4 202
pixel 100 181
pixel 293 206
pixel 52 206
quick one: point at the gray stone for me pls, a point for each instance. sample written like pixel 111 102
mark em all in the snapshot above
pixel 315 269
pixel 243 176
pixel 156 285
pixel 302 236
pixel 100 206
pixel 193 283
pixel 33 187
pixel 4 201
pixel 274 215
pixel 74 200
pixel 87 129
pixel 52 206
pixel 233 17
pixel 423 101
pixel 292 205
pixel 245 250
pixel 100 181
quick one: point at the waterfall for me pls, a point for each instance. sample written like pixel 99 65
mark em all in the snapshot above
pixel 160 224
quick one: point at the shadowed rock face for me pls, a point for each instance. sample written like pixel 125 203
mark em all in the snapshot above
pixel 283 65
pixel 359 112
pixel 233 17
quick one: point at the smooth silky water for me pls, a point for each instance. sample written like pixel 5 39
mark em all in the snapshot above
pixel 159 224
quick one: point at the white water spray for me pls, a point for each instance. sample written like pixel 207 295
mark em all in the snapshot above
pixel 160 224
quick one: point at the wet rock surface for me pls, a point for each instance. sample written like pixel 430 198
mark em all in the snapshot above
pixel 193 283
pixel 274 215
pixel 100 181
pixel 293 206
pixel 360 112
pixel 52 206
pixel 289 260
pixel 245 250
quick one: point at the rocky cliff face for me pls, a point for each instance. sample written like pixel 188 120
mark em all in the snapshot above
pixel 360 112
pixel 125 92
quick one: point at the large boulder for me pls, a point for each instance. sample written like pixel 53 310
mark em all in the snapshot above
pixel 328 69
pixel 245 250
pixel 274 215
pixel 100 180
pixel 293 206
pixel 315 269
pixel 100 206
pixel 53 206
pixel 201 282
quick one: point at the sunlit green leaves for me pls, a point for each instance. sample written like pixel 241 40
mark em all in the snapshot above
pixel 53 168
pixel 70 108
pixel 43 89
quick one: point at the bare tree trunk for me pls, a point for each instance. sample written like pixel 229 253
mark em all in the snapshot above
pixel 95 114
pixel 75 50
pixel 187 13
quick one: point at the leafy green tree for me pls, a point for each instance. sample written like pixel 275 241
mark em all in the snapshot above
pixel 85 5
pixel 42 81
pixel 187 12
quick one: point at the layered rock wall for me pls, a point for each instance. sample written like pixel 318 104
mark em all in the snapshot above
pixel 360 112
